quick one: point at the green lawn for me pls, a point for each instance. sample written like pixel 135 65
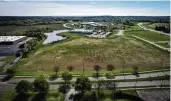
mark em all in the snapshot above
pixel 33 96
pixel 164 45
pixel 149 35
pixel 132 28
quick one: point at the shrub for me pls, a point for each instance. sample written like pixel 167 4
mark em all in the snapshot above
pixel 23 87
pixel 41 85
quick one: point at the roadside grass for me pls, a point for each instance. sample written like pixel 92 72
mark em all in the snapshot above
pixel 52 95
pixel 149 35
pixel 89 72
pixel 167 77
pixel 5 61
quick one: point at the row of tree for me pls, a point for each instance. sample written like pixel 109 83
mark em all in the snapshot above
pixel 163 29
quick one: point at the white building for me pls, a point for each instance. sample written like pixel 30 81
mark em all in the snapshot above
pixel 11 40
pixel 83 31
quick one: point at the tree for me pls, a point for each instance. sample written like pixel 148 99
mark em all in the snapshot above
pixel 56 69
pixel 110 67
pixel 135 73
pixel 97 69
pixel 66 76
pixel 41 85
pixel 18 53
pixel 82 84
pixel 63 88
pixel 11 71
pixel 23 87
pixel 70 68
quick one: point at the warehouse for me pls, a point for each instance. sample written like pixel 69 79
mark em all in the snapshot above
pixel 11 40
pixel 83 31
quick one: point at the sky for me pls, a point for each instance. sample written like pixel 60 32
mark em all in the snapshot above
pixel 83 8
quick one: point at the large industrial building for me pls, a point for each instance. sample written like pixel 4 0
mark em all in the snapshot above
pixel 11 40
pixel 9 45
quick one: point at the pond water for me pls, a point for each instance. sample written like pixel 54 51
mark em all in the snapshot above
pixel 52 36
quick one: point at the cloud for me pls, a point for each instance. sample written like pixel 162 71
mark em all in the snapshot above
pixel 58 9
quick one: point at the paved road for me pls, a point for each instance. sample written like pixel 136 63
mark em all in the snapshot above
pixel 6 86
pixel 146 75
pixel 143 27
pixel 154 95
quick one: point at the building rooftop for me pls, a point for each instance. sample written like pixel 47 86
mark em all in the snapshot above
pixel 10 38
pixel 82 30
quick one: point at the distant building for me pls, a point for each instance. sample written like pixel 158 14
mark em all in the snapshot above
pixel 82 31
pixel 11 40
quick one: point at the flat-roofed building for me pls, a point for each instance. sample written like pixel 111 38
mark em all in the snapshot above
pixel 11 40
pixel 83 31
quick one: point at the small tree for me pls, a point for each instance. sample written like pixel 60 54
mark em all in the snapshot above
pixel 82 84
pixel 41 85
pixel 97 69
pixel 70 68
pixel 23 87
pixel 11 71
pixel 66 76
pixel 56 69
pixel 18 53
pixel 110 67
pixel 135 73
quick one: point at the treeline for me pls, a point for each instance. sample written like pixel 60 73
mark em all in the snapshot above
pixel 5 20
pixel 163 29
pixel 37 33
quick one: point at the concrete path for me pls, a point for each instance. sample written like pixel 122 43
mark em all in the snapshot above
pixel 12 63
pixel 67 95
pixel 120 33
pixel 143 27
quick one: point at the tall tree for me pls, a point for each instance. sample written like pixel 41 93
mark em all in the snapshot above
pixel 56 69
pixel 23 87
pixel 110 67
pixel 135 73
pixel 82 84
pixel 41 85
pixel 70 68
pixel 66 76
pixel 97 69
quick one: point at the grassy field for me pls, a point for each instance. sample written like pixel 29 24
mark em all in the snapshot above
pixel 131 28
pixel 20 30
pixel 149 35
pixel 12 96
pixel 164 45
pixel 153 25
pixel 78 49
